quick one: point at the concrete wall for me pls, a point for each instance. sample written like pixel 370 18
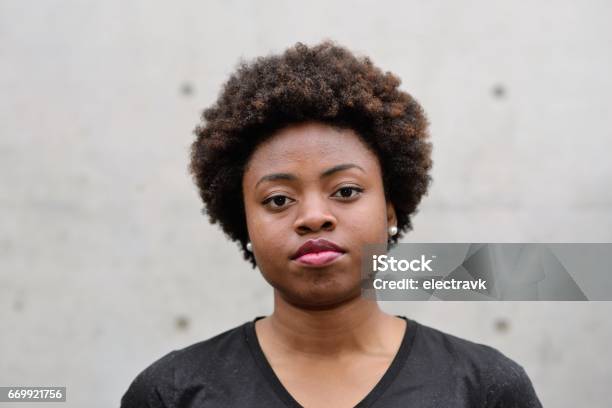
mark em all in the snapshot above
pixel 105 260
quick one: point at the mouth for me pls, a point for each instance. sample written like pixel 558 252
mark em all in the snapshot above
pixel 318 252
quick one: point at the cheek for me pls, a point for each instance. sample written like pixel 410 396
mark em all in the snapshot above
pixel 366 221
pixel 266 232
pixel 255 219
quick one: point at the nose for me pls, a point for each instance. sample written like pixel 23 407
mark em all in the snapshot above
pixel 314 215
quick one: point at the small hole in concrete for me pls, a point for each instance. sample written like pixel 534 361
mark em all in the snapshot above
pixel 187 89
pixel 502 325
pixel 182 323
pixel 499 91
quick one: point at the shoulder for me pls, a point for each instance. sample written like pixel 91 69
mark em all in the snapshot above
pixel 466 353
pixel 500 381
pixel 156 385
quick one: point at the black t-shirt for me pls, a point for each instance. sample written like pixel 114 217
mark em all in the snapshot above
pixel 430 369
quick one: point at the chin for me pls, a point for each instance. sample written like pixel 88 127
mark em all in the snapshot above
pixel 322 297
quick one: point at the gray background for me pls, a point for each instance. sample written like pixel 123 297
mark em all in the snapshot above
pixel 105 261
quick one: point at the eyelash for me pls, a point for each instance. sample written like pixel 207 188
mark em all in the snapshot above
pixel 359 190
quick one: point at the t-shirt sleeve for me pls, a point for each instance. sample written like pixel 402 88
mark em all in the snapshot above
pixel 511 388
pixel 152 388
pixel 142 394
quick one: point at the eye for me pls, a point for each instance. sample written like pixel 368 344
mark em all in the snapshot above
pixel 347 192
pixel 279 201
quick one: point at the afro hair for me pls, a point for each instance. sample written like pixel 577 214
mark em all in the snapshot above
pixel 324 83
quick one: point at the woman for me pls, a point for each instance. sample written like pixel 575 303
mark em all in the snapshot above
pixel 305 158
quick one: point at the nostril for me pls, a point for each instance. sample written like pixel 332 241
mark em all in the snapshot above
pixel 327 225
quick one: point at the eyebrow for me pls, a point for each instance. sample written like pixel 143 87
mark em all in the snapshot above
pixel 326 173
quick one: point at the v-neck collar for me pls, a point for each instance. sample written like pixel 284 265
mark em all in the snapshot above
pixel 380 387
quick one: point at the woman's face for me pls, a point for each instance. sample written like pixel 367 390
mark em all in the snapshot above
pixel 311 181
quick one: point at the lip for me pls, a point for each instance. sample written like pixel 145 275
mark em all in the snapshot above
pixel 318 252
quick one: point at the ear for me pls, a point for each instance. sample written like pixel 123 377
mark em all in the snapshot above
pixel 391 216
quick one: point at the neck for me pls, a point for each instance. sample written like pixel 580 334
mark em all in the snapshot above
pixel 356 325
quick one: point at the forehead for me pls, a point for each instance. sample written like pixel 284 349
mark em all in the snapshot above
pixel 310 146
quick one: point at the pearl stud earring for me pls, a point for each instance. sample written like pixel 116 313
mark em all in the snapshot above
pixel 392 230
pixel 249 246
